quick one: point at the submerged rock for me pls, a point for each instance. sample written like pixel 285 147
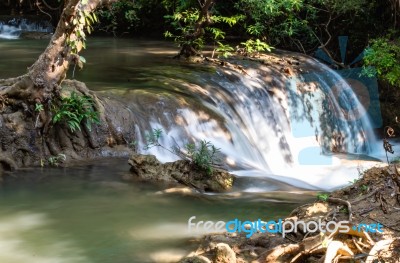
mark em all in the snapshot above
pixel 195 259
pixel 147 167
pixel 35 35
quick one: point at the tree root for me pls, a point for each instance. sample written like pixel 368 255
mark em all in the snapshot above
pixel 342 202
pixel 332 248
pixel 30 138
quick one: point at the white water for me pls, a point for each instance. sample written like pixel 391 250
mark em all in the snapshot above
pixel 287 136
pixel 13 28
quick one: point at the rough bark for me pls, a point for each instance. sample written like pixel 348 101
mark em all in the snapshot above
pixel 30 137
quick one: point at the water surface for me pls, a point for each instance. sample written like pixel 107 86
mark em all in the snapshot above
pixel 89 214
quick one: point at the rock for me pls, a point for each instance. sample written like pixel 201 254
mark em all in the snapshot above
pixel 224 254
pixel 178 190
pixel 147 167
pixel 35 35
pixel 195 259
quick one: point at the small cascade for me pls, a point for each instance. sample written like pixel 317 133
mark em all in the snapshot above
pixel 266 123
pixel 13 28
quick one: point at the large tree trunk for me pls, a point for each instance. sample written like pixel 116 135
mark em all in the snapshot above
pixel 29 136
pixel 45 75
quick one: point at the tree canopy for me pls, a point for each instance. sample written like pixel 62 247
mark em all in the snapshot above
pixel 255 25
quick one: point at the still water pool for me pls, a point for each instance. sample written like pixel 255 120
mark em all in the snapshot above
pixel 88 213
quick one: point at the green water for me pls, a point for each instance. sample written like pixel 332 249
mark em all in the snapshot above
pixel 89 214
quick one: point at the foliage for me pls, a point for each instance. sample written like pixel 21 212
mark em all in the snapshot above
pixel 254 47
pixel 185 19
pixel 203 155
pixel 183 23
pixel 82 22
pixel 119 14
pixel 364 188
pixel 56 160
pixel 322 197
pixel 224 50
pixel 302 25
pixel 152 139
pixel 74 110
pixel 384 57
pixel 38 107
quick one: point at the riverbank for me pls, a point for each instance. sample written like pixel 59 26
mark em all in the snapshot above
pixel 367 212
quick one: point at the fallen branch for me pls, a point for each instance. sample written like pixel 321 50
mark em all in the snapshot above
pixel 365 196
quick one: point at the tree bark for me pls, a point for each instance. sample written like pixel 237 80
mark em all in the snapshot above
pixel 44 77
pixel 29 136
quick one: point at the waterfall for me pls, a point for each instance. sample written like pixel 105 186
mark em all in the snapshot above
pixel 266 124
pixel 14 27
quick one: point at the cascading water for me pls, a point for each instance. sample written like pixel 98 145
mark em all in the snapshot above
pixel 14 27
pixel 265 123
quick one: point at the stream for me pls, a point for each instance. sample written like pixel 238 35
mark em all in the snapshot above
pixel 88 213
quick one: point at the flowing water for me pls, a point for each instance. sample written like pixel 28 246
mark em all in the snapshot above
pixel 13 28
pixel 276 132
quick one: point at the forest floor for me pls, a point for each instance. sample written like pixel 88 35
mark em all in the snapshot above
pixel 371 205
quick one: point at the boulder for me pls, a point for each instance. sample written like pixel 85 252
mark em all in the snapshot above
pixel 147 167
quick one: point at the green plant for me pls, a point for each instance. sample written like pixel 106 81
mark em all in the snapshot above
pixel 364 188
pixel 322 197
pixel 203 155
pixel 74 110
pixel 382 58
pixel 152 139
pixel 254 47
pixel 183 23
pixel 224 50
pixel 56 160
pixel 120 14
pixel 83 22
pixel 193 25
pixel 38 107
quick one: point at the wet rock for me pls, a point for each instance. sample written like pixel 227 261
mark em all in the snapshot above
pixel 224 254
pixel 195 259
pixel 178 190
pixel 147 167
pixel 35 35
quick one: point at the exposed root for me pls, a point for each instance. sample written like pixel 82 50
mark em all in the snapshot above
pixel 342 202
pixel 331 249
pixel 377 249
pixel 29 137
pixel 282 251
